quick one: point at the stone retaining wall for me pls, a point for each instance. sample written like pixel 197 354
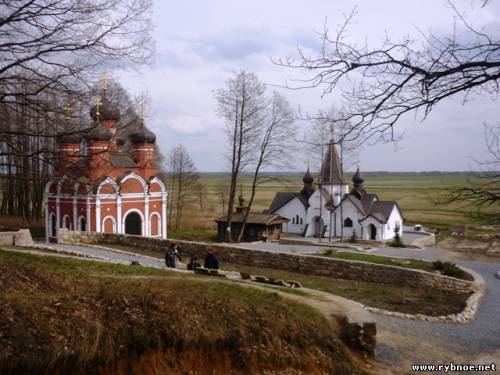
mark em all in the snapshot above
pixel 313 265
pixel 20 238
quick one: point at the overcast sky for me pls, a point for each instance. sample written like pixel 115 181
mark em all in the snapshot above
pixel 200 43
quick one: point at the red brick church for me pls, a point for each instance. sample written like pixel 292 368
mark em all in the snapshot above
pixel 102 183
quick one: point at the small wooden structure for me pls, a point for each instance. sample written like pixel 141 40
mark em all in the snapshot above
pixel 258 226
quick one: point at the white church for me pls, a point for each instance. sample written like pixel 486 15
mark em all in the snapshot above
pixel 330 209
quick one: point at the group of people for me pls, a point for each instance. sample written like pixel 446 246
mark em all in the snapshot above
pixel 173 254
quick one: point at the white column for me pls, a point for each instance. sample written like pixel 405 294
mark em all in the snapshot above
pixel 146 216
pixel 87 219
pixel 164 215
pixel 119 213
pixel 58 214
pixel 75 214
pixel 47 221
pixel 97 214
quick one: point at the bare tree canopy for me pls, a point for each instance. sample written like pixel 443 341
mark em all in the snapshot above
pixel 484 187
pixel 48 45
pixel 381 85
pixel 241 105
pixel 183 183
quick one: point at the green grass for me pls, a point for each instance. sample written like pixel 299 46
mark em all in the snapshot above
pixel 378 259
pixel 390 297
pixel 78 268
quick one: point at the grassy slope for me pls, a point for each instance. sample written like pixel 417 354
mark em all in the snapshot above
pixel 62 315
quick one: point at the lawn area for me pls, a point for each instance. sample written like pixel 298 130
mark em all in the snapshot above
pixel 389 297
pixel 71 316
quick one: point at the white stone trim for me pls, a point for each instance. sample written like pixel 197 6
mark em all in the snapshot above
pixel 164 201
pixel 75 213
pixel 119 214
pixel 156 180
pixel 66 223
pixel 159 222
pixel 146 214
pixel 112 219
pixel 58 215
pixel 135 176
pixel 140 214
pixel 87 226
pixel 97 215
pixel 107 181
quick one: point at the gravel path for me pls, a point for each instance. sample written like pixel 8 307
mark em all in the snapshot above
pixel 398 338
pixel 111 255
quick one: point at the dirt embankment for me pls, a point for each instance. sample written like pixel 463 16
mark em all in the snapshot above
pixel 60 316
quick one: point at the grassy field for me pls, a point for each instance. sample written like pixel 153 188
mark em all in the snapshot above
pixel 417 195
pixel 68 316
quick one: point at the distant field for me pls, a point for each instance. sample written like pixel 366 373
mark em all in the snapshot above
pixel 417 195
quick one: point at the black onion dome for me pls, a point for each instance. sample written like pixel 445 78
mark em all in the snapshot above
pixel 357 178
pixel 69 138
pixel 99 133
pixel 142 135
pixel 307 179
pixel 107 111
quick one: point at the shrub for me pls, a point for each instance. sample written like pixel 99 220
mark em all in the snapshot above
pixel 327 252
pixel 353 238
pixel 397 241
pixel 450 269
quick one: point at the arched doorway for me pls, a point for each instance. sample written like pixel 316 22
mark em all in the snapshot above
pixel 318 226
pixel 373 232
pixel 82 225
pixel 133 224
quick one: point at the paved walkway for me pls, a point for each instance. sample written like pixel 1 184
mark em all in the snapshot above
pixel 399 339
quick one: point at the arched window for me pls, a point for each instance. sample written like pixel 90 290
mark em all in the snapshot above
pixel 300 221
pixel 297 219
pixel 348 223
pixel 293 220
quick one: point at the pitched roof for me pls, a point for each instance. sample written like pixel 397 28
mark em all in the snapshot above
pixel 266 219
pixel 370 206
pixel 283 197
pixel 331 171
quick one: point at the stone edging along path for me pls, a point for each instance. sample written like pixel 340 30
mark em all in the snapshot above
pixel 347 269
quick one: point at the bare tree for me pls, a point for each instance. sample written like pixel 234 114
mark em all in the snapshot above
pixel 222 192
pixel 484 187
pixel 241 104
pixel 51 53
pixel 183 182
pixel 275 140
pixel 381 85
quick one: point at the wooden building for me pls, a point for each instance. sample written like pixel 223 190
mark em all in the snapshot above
pixel 258 227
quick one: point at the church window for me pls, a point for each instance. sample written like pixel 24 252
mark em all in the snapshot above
pixel 348 223
pixel 297 219
pixel 293 220
pixel 300 221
